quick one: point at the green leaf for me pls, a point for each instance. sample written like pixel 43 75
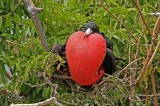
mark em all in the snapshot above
pixel 116 51
pixel 12 5
pixel 46 92
pixel 8 21
pixel 0 21
pixel 45 58
pixel 112 2
pixel 34 93
pixel 16 18
pixel 27 69
pixel 38 90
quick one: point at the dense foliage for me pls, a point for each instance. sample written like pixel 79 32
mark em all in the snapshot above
pixel 22 54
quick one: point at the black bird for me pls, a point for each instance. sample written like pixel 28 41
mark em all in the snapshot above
pixel 109 60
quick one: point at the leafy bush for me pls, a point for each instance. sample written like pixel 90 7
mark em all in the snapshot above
pixel 22 54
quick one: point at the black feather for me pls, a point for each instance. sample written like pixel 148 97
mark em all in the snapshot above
pixel 109 62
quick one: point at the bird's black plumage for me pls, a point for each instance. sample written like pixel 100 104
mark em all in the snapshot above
pixel 109 60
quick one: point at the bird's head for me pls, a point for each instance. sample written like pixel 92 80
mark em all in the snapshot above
pixel 90 28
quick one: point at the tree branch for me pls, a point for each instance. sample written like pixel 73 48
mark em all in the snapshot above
pixel 55 86
pixel 136 3
pixel 33 12
pixel 34 86
pixel 155 99
pixel 45 102
pixel 62 77
pixel 155 14
pixel 133 75
pixel 129 65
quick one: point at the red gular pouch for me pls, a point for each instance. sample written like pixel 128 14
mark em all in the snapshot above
pixel 85 57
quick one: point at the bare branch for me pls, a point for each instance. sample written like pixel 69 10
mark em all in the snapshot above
pixel 129 65
pixel 155 14
pixel 45 102
pixel 33 12
pixel 156 28
pixel 146 91
pixel 153 54
pixel 136 3
pixel 133 75
pixel 154 88
pixel 62 77
pixel 55 86
pixel 33 86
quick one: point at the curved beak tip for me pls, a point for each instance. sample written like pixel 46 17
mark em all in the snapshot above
pixel 87 32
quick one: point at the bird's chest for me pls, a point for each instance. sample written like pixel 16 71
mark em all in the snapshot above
pixel 85 56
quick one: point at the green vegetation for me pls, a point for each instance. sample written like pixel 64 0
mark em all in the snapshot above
pixel 22 53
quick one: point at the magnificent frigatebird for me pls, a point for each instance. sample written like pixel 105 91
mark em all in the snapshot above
pixel 109 60
pixel 89 54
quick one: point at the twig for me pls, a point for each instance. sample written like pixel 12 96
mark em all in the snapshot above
pixel 133 74
pixel 136 100
pixel 134 26
pixel 154 88
pixel 157 28
pixel 129 65
pixel 45 102
pixel 55 86
pixel 33 12
pixel 136 3
pixel 67 103
pixel 118 21
pixel 150 95
pixel 62 77
pixel 155 14
pixel 146 91
pixel 154 53
pixel 33 86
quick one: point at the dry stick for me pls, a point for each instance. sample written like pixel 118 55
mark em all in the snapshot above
pixel 142 95
pixel 45 102
pixel 154 88
pixel 33 12
pixel 133 75
pixel 34 86
pixel 62 77
pixel 143 29
pixel 55 86
pixel 67 103
pixel 150 51
pixel 118 21
pixel 136 3
pixel 153 54
pixel 155 14
pixel 137 100
pixel 146 91
pixel 129 65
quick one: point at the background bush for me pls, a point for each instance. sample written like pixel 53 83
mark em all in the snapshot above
pixel 21 51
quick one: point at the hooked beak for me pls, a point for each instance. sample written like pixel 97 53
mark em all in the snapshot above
pixel 88 32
